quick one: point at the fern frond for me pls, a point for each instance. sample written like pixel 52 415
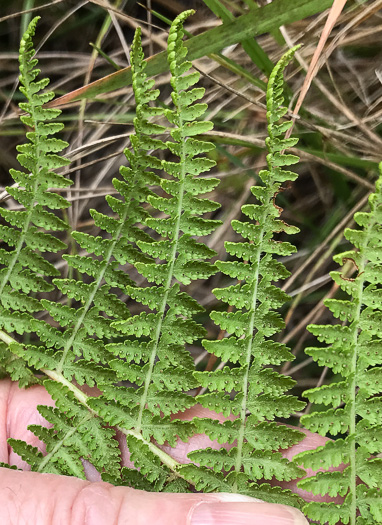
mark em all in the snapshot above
pixel 86 327
pixel 76 349
pixel 23 270
pixel 149 348
pixel 163 370
pixel 253 388
pixel 354 351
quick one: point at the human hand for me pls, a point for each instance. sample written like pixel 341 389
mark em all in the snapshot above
pixel 47 499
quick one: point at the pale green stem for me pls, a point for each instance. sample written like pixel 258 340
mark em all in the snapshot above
pixel 6 338
pixel 167 460
pixel 251 326
pixel 354 382
pixel 162 309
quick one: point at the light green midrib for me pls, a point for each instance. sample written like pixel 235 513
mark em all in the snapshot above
pixel 354 382
pixel 251 326
pixel 27 221
pixel 89 301
pixel 158 331
pixel 61 443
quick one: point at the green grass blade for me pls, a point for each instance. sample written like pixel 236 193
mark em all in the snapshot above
pixel 265 19
pixel 250 46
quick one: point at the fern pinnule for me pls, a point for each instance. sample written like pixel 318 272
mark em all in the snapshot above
pixel 23 270
pixel 255 387
pixel 352 350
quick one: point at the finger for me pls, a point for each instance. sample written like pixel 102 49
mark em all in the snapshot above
pixel 311 441
pixel 18 409
pixel 47 499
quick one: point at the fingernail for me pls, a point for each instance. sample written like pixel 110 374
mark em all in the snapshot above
pixel 246 513
pixel 233 497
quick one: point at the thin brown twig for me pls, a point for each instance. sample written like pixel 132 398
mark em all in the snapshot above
pixel 31 10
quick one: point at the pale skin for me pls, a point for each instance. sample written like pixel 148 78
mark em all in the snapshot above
pixel 45 499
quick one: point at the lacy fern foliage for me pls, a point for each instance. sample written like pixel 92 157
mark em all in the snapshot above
pixel 353 349
pixel 248 349
pixel 150 353
pixel 81 346
pixel 140 363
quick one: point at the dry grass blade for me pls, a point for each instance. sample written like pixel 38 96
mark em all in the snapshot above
pixel 31 10
pixel 333 16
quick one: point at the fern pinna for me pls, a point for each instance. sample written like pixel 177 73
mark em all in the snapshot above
pixel 255 387
pixel 354 351
pixel 24 271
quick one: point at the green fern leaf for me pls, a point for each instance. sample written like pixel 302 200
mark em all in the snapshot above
pixel 32 455
pixel 156 339
pixel 369 437
pixel 15 367
pixel 22 269
pixel 86 324
pixel 270 435
pixel 152 342
pixel 258 390
pixel 221 402
pixel 354 352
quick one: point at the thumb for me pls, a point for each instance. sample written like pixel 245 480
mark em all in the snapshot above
pixel 47 499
